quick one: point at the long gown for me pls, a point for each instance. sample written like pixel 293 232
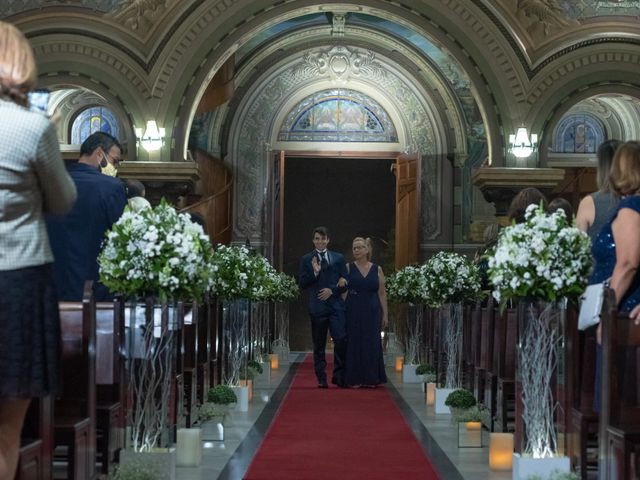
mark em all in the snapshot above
pixel 365 362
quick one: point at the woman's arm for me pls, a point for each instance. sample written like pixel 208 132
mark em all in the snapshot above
pixel 626 232
pixel 586 213
pixel 382 294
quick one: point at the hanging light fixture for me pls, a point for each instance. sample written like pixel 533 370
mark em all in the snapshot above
pixel 152 138
pixel 520 144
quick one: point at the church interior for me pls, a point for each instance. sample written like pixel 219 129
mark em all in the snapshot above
pixel 270 117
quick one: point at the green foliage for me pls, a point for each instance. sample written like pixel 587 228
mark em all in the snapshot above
pixel 477 413
pixel 255 366
pixel 221 394
pixel 210 410
pixel 424 369
pixel 134 471
pixel 556 475
pixel 156 252
pixel 247 373
pixel 460 398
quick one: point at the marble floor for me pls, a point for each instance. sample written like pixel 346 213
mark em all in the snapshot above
pixel 228 460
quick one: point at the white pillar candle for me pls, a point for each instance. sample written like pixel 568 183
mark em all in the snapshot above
pixel 189 443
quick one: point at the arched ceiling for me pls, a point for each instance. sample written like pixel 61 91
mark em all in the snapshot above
pixel 522 58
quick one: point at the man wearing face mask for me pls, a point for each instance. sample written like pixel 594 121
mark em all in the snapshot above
pixel 76 238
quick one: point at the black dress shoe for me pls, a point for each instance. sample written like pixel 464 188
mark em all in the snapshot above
pixel 323 384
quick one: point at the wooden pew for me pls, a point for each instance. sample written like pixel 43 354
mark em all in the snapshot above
pixel 619 452
pixel 75 409
pixel 506 326
pixel 189 352
pixel 36 453
pixel 110 383
pixel 203 360
pixel 469 347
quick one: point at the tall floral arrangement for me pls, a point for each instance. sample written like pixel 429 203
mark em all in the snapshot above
pixel 236 272
pixel 407 285
pixel 156 252
pixel 545 257
pixel 451 278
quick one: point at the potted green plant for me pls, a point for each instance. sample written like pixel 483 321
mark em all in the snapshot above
pixel 459 400
pixel 256 367
pixel 427 372
pixel 474 416
pixel 221 395
pixel 134 471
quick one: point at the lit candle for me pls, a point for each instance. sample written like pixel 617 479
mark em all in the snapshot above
pixel 189 443
pixel 431 393
pixel 399 362
pixel 274 361
pixel 473 425
pixel 501 451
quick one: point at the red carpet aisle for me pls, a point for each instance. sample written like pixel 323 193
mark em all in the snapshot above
pixel 338 434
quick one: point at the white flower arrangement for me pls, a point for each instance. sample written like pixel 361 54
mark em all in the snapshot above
pixel 408 285
pixel 451 278
pixel 545 257
pixel 156 252
pixel 236 272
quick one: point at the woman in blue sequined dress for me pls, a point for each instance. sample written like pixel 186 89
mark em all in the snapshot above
pixel 616 250
pixel 366 315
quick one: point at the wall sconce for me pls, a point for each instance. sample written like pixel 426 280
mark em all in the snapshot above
pixel 520 144
pixel 152 138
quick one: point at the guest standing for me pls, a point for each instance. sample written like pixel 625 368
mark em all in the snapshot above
pixel 366 315
pixel 319 273
pixel 522 200
pixel 595 209
pixel 616 250
pixel 76 239
pixel 33 180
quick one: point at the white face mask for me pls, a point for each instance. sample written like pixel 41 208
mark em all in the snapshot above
pixel 109 169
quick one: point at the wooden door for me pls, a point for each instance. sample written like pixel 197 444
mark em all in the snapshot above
pixel 407 172
pixel 277 208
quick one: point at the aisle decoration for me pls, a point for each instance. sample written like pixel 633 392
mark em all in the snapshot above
pixel 409 286
pixel 159 256
pixel 286 290
pixel 541 262
pixel 452 280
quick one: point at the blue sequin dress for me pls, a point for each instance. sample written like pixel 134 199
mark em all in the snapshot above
pixel 604 253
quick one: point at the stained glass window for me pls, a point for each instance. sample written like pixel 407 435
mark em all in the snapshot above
pixel 578 133
pixel 338 115
pixel 91 120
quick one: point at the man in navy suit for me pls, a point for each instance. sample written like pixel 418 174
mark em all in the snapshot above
pixel 322 273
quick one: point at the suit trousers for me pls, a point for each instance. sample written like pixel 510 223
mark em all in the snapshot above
pixel 334 323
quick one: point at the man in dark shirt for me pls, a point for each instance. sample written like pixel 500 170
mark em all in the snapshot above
pixel 76 239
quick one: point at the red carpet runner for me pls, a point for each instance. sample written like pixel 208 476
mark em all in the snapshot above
pixel 338 434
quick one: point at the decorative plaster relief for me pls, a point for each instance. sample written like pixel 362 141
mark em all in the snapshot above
pixel 255 127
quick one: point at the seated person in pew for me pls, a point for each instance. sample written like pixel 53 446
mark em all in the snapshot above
pixel 33 181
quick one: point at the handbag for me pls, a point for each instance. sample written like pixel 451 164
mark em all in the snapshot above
pixel 591 305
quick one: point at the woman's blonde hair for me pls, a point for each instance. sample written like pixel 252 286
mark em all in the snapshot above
pixel 18 73
pixel 367 243
pixel 625 171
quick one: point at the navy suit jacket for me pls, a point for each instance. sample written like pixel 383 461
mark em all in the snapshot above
pixel 327 278
pixel 76 238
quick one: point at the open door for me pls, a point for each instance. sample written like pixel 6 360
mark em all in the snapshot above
pixel 407 172
pixel 277 207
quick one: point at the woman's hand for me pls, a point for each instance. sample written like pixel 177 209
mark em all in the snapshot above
pixel 342 282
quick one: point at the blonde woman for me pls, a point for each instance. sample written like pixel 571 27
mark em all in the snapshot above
pixel 366 315
pixel 33 181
